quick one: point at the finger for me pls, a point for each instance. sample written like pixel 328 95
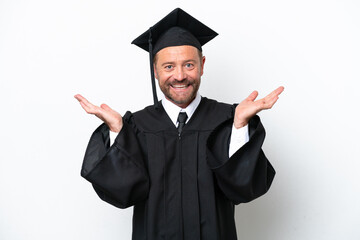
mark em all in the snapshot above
pixel 267 103
pixel 89 109
pixel 276 92
pixel 279 90
pixel 272 102
pixel 252 96
pixel 85 102
pixel 106 107
pixel 86 105
pixel 80 98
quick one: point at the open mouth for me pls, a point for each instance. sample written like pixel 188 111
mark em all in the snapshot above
pixel 178 86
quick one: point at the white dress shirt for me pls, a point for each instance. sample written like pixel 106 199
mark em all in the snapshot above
pixel 238 136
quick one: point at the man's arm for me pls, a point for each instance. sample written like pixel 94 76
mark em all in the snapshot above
pixel 117 173
pixel 246 110
pixel 245 174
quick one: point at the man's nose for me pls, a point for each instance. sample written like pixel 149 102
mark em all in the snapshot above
pixel 180 74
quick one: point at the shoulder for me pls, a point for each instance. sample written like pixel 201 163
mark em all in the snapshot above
pixel 209 114
pixel 151 118
pixel 215 107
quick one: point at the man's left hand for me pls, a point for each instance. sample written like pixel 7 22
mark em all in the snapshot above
pixel 249 107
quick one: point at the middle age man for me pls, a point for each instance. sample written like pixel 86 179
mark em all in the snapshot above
pixel 185 161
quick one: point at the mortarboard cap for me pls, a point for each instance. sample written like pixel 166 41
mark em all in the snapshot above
pixel 175 29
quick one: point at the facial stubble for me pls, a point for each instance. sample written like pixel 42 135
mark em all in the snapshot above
pixel 166 89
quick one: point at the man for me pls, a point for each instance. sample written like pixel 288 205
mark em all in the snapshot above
pixel 185 161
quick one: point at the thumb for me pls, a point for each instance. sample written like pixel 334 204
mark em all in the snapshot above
pixel 252 96
pixel 105 107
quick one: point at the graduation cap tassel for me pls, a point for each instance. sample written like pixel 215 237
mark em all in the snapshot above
pixel 152 70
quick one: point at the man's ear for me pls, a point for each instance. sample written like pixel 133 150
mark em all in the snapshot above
pixel 155 72
pixel 202 65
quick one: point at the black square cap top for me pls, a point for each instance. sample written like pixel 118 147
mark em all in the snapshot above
pixel 176 29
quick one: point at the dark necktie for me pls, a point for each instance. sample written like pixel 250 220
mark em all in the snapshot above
pixel 181 119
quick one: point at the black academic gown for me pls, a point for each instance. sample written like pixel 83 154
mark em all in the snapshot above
pixel 181 187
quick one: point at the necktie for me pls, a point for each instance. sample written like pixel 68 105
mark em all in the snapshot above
pixel 181 119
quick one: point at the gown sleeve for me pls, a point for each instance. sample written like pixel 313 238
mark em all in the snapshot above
pixel 247 174
pixel 117 173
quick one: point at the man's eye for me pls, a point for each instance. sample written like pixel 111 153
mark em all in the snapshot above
pixel 168 67
pixel 189 65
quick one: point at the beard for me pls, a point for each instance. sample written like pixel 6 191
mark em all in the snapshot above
pixel 180 98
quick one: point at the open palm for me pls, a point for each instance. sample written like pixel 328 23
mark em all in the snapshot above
pixel 249 107
pixel 112 118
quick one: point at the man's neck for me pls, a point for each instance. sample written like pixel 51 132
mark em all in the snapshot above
pixel 173 110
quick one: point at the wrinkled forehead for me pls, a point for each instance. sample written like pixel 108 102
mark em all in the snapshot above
pixel 178 53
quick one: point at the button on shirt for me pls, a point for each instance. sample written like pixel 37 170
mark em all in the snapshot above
pixel 238 138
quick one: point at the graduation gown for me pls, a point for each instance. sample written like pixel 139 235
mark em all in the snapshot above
pixel 181 187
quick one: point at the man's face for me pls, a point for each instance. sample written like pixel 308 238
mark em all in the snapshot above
pixel 179 70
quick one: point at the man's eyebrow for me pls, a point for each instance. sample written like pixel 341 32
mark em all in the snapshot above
pixel 172 62
pixel 190 60
pixel 166 63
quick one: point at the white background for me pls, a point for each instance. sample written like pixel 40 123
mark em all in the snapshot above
pixel 52 50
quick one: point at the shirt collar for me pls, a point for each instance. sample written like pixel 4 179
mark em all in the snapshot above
pixel 173 110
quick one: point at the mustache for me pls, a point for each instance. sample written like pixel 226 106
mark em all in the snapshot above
pixel 183 82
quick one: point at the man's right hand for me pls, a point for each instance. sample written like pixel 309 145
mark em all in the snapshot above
pixel 112 118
